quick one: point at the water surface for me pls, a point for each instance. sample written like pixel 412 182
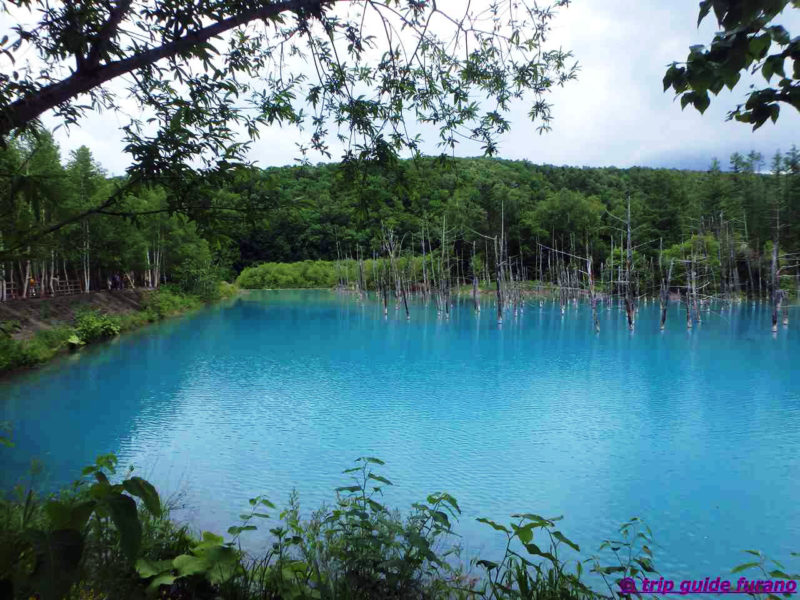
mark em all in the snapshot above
pixel 697 432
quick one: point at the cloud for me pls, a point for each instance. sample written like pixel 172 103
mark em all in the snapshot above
pixel 614 115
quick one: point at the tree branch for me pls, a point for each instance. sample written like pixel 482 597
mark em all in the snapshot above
pixel 26 109
pixel 106 33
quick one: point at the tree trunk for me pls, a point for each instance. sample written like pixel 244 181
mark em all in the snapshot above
pixel 497 282
pixel 665 296
pixel 26 277
pixel 630 305
pixel 592 295
pixel 777 294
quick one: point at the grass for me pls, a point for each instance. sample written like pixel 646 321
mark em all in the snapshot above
pixel 92 326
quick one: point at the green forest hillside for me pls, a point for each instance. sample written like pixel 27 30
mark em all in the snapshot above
pixel 327 212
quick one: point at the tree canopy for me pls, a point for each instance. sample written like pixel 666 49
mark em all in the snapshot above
pixel 204 71
pixel 749 40
pixel 202 79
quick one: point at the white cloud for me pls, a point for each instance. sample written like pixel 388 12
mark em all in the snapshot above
pixel 615 114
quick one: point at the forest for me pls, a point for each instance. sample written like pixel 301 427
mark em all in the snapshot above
pixel 546 219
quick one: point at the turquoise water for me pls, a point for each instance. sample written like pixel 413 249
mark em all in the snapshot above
pixel 697 432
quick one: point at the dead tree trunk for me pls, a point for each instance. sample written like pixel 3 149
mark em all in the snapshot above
pixel 592 295
pixel 665 296
pixel 476 302
pixel 630 305
pixel 497 281
pixel 777 293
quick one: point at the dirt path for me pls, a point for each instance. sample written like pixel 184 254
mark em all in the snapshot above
pixel 35 314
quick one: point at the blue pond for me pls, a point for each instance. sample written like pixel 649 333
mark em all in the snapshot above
pixel 697 432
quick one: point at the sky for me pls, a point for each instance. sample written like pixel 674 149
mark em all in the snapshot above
pixel 615 114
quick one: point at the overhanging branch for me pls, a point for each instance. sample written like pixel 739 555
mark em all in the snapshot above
pixel 26 109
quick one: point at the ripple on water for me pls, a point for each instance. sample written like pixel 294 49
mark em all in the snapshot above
pixel 695 432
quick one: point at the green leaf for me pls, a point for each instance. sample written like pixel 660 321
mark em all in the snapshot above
pixel 372 459
pixel 441 518
pixel 492 524
pixel 449 500
pixel 610 570
pixel 668 77
pixel 705 6
pixel 379 478
pixel 536 551
pixel 562 538
pixel 123 513
pixel 778 574
pixel 759 45
pixel 767 70
pixel 744 566
pixel 773 65
pixel 646 564
pixel 150 568
pixel 187 564
pixel 163 579
pixel 539 520
pixel 779 34
pixel 487 564
pixel 701 101
pixel 80 514
pixel 237 529
pixel 136 486
pixel 349 488
pixel 212 538
pixel 731 77
pixel 525 533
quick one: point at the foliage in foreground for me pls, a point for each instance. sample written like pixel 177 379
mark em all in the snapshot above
pixel 100 539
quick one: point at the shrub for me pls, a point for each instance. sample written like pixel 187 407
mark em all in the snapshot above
pixel 227 290
pixel 12 353
pixel 45 344
pixel 306 274
pixel 169 300
pixel 198 276
pixel 93 325
pixel 83 541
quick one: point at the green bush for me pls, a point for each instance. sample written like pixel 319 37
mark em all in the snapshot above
pixel 12 353
pixel 227 290
pixel 169 300
pixel 327 274
pixel 198 276
pixel 93 326
pixel 306 274
pixel 43 346
pixel 83 541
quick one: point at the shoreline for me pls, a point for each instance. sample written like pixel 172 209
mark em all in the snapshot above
pixel 36 331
